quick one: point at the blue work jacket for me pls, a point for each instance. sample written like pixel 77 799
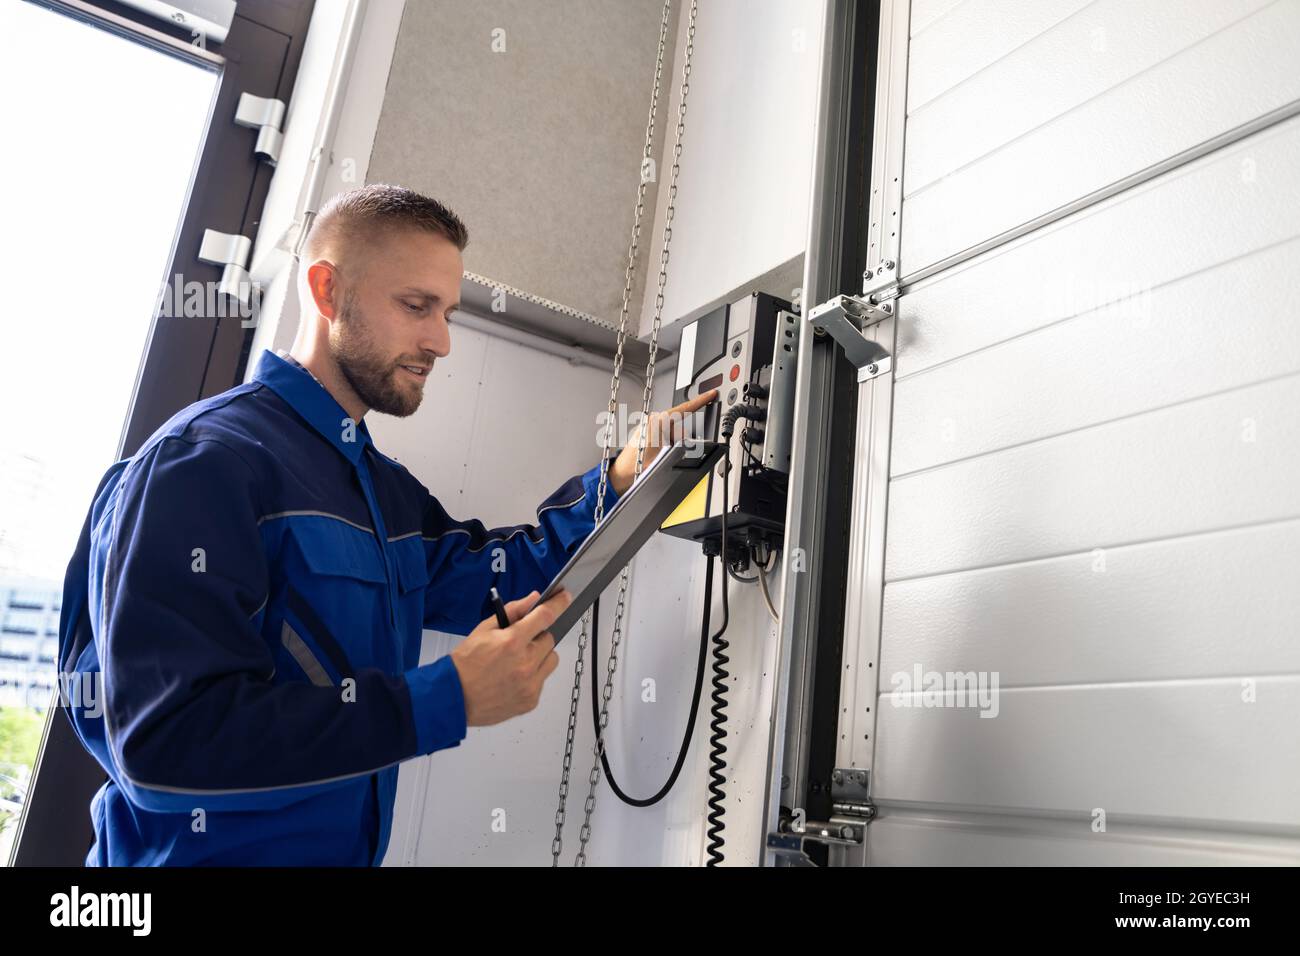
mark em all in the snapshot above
pixel 241 623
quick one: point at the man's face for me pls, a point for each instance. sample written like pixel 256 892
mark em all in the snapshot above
pixel 392 323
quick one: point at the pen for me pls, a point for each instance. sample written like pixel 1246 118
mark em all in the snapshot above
pixel 497 605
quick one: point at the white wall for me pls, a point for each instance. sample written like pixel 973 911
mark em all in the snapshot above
pixel 742 192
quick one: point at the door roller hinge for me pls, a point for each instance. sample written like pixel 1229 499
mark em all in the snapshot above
pixel 267 117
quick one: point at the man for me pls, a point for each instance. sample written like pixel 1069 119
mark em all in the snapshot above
pixel 250 587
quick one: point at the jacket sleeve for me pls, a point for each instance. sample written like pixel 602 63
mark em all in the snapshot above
pixel 466 559
pixel 191 716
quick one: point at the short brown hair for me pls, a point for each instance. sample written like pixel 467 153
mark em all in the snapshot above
pixel 358 212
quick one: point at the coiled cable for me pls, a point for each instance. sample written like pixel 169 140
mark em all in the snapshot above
pixel 717 749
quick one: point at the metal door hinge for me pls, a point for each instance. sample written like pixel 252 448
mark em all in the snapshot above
pixel 267 117
pixel 851 794
pixel 844 318
pixel 880 282
pixel 230 252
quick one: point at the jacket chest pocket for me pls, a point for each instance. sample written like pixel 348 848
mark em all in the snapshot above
pixel 336 619
pixel 412 584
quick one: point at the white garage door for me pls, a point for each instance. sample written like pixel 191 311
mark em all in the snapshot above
pixel 1094 471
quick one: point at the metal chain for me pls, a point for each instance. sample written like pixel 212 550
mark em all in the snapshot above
pixel 643 434
pixel 557 841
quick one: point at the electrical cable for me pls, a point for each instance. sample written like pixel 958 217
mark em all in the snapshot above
pixel 763 571
pixel 695 701
pixel 740 577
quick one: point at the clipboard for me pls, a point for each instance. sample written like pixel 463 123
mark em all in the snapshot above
pixel 622 532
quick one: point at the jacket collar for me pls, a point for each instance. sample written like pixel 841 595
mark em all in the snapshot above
pixel 284 375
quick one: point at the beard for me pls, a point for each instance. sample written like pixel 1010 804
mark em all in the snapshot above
pixel 375 377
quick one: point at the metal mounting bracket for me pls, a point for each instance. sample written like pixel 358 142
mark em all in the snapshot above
pixel 788 847
pixel 843 318
pixel 789 843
